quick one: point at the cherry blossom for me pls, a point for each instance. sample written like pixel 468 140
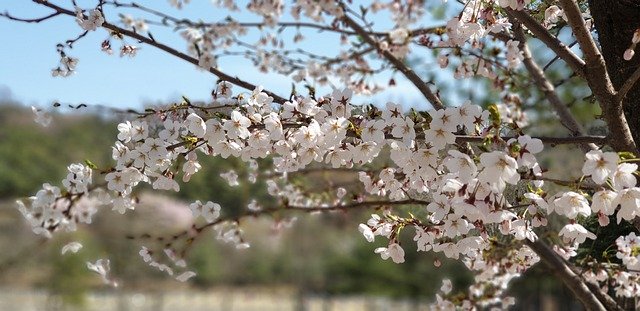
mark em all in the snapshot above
pixel 393 251
pixel 92 22
pixel 498 167
pixel 41 116
pixel 600 165
pixel 469 176
pixel 572 204
pixel 73 247
pixel 575 233
pixel 102 267
pixel 210 211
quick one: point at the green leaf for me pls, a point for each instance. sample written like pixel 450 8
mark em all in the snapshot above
pixel 90 164
pixel 626 155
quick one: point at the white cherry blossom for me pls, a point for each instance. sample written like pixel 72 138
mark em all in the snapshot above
pixel 600 165
pixel 393 251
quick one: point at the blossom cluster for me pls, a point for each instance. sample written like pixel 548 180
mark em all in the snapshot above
pixel 466 195
pixel 484 205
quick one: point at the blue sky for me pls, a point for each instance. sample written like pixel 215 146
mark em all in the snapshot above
pixel 28 55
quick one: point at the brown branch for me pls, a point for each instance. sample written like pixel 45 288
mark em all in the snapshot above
pixel 593 57
pixel 606 300
pixel 320 27
pixel 551 62
pixel 628 85
pixel 598 140
pixel 29 20
pixel 223 76
pixel 343 207
pixel 566 54
pixel 541 81
pixel 570 279
pixel 597 76
pixel 397 63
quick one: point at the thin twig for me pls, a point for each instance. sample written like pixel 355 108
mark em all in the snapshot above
pixel 547 88
pixel 29 20
pixel 551 62
pixel 223 76
pixel 628 85
pixel 565 53
pixel 320 27
pixel 397 63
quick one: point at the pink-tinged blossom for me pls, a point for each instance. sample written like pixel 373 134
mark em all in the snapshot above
pixel 163 182
pixel 468 114
pixel 603 201
pixel 438 136
pixel 629 201
pixel 522 229
pixel 446 286
pixel 628 250
pixel 121 204
pixel 528 147
pixel 366 232
pixel 572 204
pixel 207 60
pixel 600 165
pixel 424 239
pixel 41 117
pixel 552 15
pixel 537 201
pixel 185 276
pixel 623 176
pixel 91 22
pixel 566 252
pixel 210 211
pixel 455 225
pixel 461 164
pixel 102 268
pixel 196 125
pixel 399 35
pixel 447 119
pixel 393 251
pixel 514 54
pixel 231 177
pixel 238 126
pixel 513 4
pixel 72 247
pixel 498 166
pixel 575 233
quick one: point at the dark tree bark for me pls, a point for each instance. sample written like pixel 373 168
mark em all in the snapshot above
pixel 615 22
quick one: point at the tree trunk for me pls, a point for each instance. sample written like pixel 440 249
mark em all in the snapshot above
pixel 615 22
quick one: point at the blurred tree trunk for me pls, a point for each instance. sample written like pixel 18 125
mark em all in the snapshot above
pixel 615 22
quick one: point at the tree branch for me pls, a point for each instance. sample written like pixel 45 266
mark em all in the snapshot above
pixel 223 76
pixel 570 279
pixel 29 20
pixel 628 85
pixel 397 63
pixel 596 69
pixel 561 50
pixel 320 27
pixel 596 72
pixel 598 140
pixel 598 79
pixel 541 81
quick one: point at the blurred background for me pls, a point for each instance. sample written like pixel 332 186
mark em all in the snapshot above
pixel 320 262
